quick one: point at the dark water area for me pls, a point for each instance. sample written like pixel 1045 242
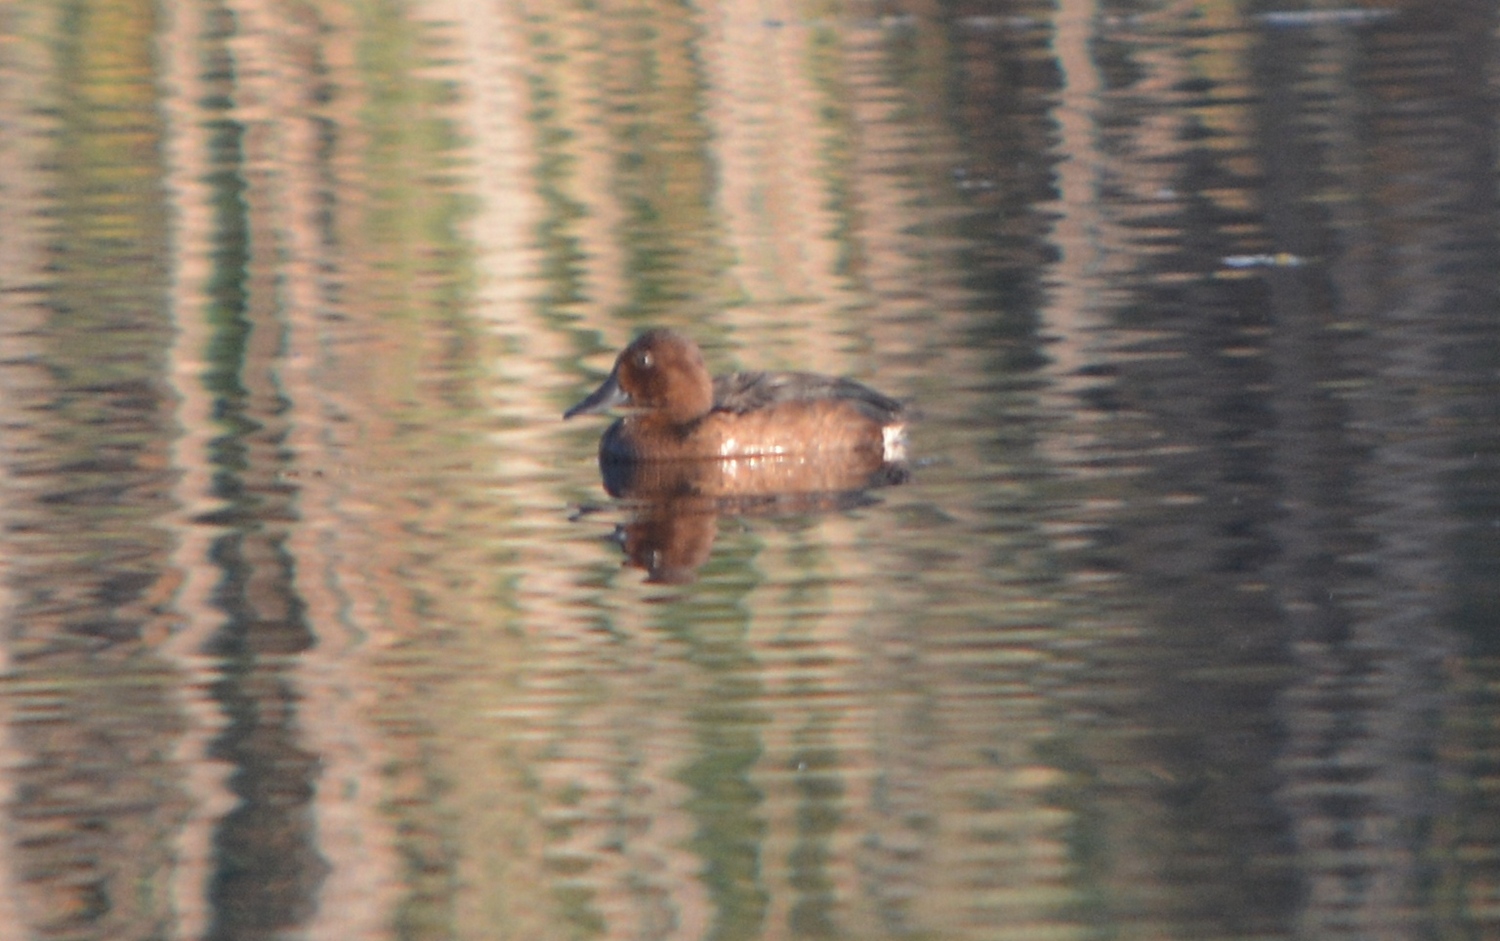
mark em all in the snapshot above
pixel 1181 620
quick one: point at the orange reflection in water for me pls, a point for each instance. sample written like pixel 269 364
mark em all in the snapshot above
pixel 676 505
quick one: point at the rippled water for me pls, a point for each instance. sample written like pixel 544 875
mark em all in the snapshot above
pixel 1182 622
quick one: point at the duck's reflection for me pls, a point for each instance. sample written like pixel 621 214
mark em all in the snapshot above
pixel 675 506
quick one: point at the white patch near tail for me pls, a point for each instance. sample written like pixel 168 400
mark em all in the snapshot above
pixel 893 442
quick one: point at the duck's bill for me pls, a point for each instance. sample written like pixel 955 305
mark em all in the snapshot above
pixel 605 397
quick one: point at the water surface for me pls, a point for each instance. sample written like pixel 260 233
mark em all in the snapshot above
pixel 1181 625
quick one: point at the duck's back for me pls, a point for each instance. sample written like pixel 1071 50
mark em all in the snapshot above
pixel 743 392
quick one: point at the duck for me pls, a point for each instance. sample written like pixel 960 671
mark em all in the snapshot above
pixel 678 411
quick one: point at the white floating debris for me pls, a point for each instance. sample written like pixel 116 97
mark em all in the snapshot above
pixel 1342 16
pixel 965 180
pixel 1278 260
pixel 985 22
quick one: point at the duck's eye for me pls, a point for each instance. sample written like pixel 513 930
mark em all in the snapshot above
pixel 644 359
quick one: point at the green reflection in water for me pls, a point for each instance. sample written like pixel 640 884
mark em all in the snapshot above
pixel 642 63
pixel 108 333
pixel 408 228
pixel 94 801
pixel 728 723
pixel 268 868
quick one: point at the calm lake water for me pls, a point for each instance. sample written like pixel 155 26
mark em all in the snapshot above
pixel 1184 621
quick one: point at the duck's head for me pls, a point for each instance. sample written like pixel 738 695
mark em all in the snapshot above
pixel 661 373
